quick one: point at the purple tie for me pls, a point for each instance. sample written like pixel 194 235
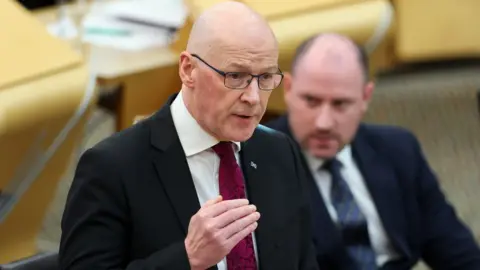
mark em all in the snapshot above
pixel 242 256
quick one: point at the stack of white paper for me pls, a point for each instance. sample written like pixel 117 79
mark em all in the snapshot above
pixel 133 24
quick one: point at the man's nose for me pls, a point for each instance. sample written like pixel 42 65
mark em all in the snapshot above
pixel 251 94
pixel 324 120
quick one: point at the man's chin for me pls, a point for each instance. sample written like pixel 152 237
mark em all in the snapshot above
pixel 238 134
pixel 324 151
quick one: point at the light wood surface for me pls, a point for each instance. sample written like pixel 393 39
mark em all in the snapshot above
pixel 44 104
pixel 146 78
pixel 112 64
pixel 436 30
pixel 273 9
pixel 19 60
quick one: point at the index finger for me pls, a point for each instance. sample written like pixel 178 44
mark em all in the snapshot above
pixel 223 206
pixel 213 201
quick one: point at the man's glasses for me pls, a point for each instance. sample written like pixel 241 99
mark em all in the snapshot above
pixel 240 80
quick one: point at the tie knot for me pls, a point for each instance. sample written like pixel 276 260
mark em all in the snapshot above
pixel 223 149
pixel 332 165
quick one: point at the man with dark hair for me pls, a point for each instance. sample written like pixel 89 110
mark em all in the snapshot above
pixel 376 203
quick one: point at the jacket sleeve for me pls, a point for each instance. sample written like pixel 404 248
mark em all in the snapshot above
pixel 96 223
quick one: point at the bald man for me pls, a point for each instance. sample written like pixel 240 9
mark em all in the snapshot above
pixel 199 185
pixel 376 203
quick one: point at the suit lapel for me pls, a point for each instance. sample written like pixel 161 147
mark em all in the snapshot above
pixel 258 191
pixel 383 185
pixel 325 234
pixel 172 167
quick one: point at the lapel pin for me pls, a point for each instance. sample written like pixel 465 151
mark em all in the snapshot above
pixel 253 165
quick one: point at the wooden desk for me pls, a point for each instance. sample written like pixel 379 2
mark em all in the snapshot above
pixel 146 78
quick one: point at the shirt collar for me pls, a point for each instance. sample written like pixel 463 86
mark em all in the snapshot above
pixel 344 156
pixel 192 136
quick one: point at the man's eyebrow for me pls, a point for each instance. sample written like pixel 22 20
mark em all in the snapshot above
pixel 272 68
pixel 238 66
pixel 234 67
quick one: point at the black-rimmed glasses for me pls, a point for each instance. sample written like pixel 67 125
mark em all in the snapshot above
pixel 240 80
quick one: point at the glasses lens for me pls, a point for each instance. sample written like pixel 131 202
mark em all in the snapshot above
pixel 269 81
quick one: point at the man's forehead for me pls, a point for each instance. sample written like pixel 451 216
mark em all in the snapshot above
pixel 328 92
pixel 241 65
pixel 335 55
pixel 327 64
pixel 331 57
pixel 328 74
pixel 245 60
pixel 237 61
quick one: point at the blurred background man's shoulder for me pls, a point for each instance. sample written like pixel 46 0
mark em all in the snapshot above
pixel 387 132
pixel 279 124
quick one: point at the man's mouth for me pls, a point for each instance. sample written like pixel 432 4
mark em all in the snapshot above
pixel 323 137
pixel 243 116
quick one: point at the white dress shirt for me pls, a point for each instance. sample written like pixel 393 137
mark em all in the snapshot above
pixel 202 161
pixel 352 175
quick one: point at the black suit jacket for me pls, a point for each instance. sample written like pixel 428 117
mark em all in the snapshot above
pixel 418 219
pixel 133 196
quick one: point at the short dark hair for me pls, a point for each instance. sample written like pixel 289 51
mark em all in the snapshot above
pixel 304 47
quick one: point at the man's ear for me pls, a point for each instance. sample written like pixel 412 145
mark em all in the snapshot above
pixel 368 93
pixel 186 69
pixel 287 85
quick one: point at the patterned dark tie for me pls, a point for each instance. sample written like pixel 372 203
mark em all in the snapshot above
pixel 351 220
pixel 230 178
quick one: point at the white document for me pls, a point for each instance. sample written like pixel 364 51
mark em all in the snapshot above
pixel 133 24
pixel 163 12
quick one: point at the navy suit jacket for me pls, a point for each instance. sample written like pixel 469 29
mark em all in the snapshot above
pixel 415 213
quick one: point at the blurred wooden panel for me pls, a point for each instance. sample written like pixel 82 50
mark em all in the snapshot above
pixel 27 50
pixel 434 30
pixel 272 9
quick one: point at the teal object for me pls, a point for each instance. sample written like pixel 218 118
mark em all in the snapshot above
pixel 107 31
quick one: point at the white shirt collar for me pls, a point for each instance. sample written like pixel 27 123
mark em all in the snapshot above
pixel 344 156
pixel 192 137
